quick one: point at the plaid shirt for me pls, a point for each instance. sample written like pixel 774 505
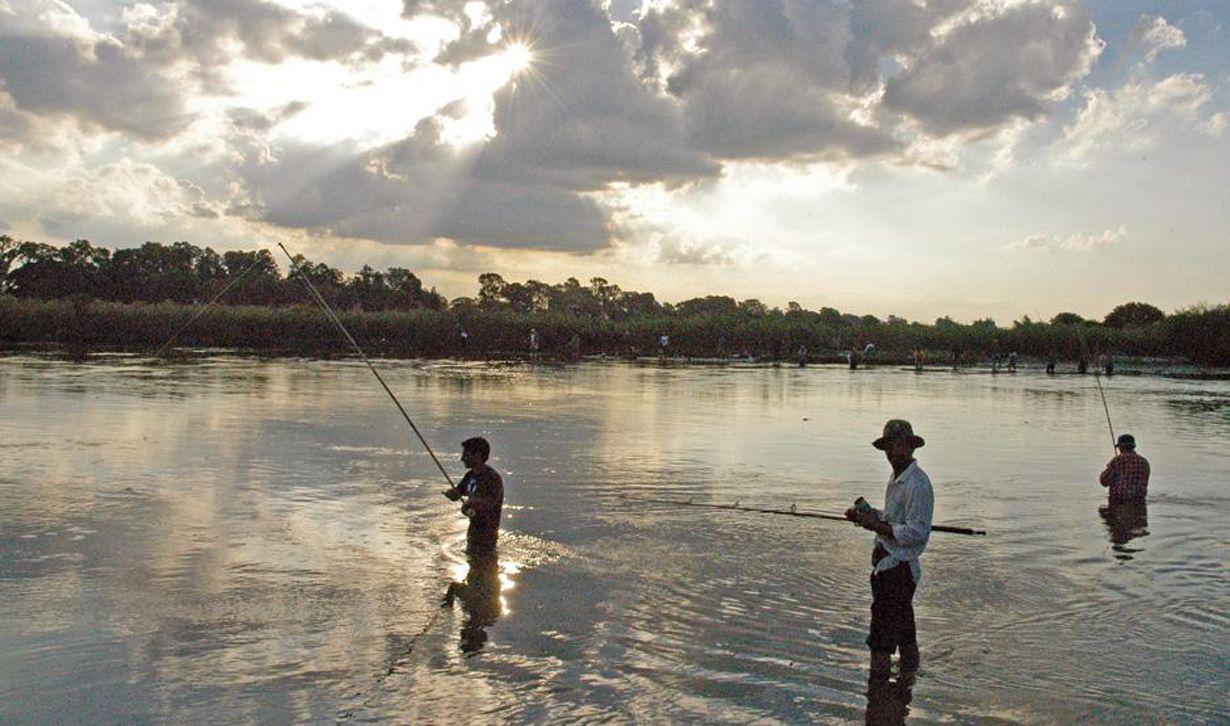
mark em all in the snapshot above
pixel 1127 475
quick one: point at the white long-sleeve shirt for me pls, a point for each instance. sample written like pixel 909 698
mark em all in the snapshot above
pixel 908 507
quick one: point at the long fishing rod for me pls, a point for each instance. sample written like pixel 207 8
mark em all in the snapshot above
pixel 206 306
pixel 338 322
pixel 1097 378
pixel 792 512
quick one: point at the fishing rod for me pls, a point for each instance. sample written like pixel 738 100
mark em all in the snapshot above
pixel 338 322
pixel 792 512
pixel 206 306
pixel 1097 378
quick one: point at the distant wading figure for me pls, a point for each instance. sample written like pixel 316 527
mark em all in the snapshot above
pixel 484 492
pixel 1126 476
pixel 902 530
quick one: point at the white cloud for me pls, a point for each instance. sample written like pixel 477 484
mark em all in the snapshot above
pixel 1135 116
pixel 1216 124
pixel 1071 243
pixel 1151 36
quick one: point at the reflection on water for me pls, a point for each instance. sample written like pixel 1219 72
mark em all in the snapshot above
pixel 1125 521
pixel 232 540
pixel 480 593
pixel 888 701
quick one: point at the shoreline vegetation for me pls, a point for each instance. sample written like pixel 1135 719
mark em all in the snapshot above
pixel 83 297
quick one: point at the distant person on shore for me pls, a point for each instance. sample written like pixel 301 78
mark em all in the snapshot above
pixel 919 359
pixel 1082 365
pixel 664 344
pixel 802 356
pixel 483 490
pixel 995 362
pixel 1108 364
pixel 463 340
pixel 852 359
pixel 1012 359
pixel 1050 365
pixel 902 530
pixel 535 342
pixel 1126 476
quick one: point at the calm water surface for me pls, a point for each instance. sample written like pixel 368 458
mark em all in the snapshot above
pixel 230 540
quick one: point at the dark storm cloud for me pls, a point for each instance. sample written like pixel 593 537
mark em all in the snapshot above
pixel 100 84
pixel 248 119
pixel 768 81
pixel 580 122
pixel 779 79
pixel 982 74
pixel 416 190
pixel 583 119
pixel 208 33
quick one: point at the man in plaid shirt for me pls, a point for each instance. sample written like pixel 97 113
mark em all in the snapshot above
pixel 1127 475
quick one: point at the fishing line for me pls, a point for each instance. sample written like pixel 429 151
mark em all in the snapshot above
pixel 207 305
pixel 400 661
pixel 337 321
pixel 1097 378
pixel 792 512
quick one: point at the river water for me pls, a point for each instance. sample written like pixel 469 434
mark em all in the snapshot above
pixel 229 539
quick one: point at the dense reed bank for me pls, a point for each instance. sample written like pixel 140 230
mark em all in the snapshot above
pixel 1200 335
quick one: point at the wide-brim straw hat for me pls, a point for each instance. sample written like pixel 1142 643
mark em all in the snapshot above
pixel 898 429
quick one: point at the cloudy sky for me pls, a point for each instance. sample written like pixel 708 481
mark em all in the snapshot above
pixel 908 157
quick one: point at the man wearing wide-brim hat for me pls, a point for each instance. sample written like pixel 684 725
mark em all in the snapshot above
pixel 902 529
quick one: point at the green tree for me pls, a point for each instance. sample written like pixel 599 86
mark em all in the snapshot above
pixel 1067 319
pixel 753 307
pixel 1133 313
pixel 708 305
pixel 10 253
pixel 491 291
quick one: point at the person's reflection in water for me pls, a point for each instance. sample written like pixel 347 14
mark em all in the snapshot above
pixel 1125 521
pixel 888 702
pixel 480 600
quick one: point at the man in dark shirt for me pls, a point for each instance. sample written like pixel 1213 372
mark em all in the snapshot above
pixel 483 490
pixel 1127 475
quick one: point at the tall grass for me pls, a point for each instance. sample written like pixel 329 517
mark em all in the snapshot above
pixel 1201 335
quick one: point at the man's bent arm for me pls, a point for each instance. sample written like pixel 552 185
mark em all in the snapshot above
pixel 1108 474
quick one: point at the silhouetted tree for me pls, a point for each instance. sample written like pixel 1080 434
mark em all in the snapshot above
pixel 1067 319
pixel 1133 313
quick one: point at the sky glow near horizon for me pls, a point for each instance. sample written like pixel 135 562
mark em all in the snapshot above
pixel 970 158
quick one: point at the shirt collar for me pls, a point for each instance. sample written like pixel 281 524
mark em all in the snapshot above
pixel 908 469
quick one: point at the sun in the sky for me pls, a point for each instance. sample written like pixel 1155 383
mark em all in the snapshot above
pixel 519 57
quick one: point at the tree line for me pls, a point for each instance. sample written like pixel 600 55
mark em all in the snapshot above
pixel 184 273
pixel 598 316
